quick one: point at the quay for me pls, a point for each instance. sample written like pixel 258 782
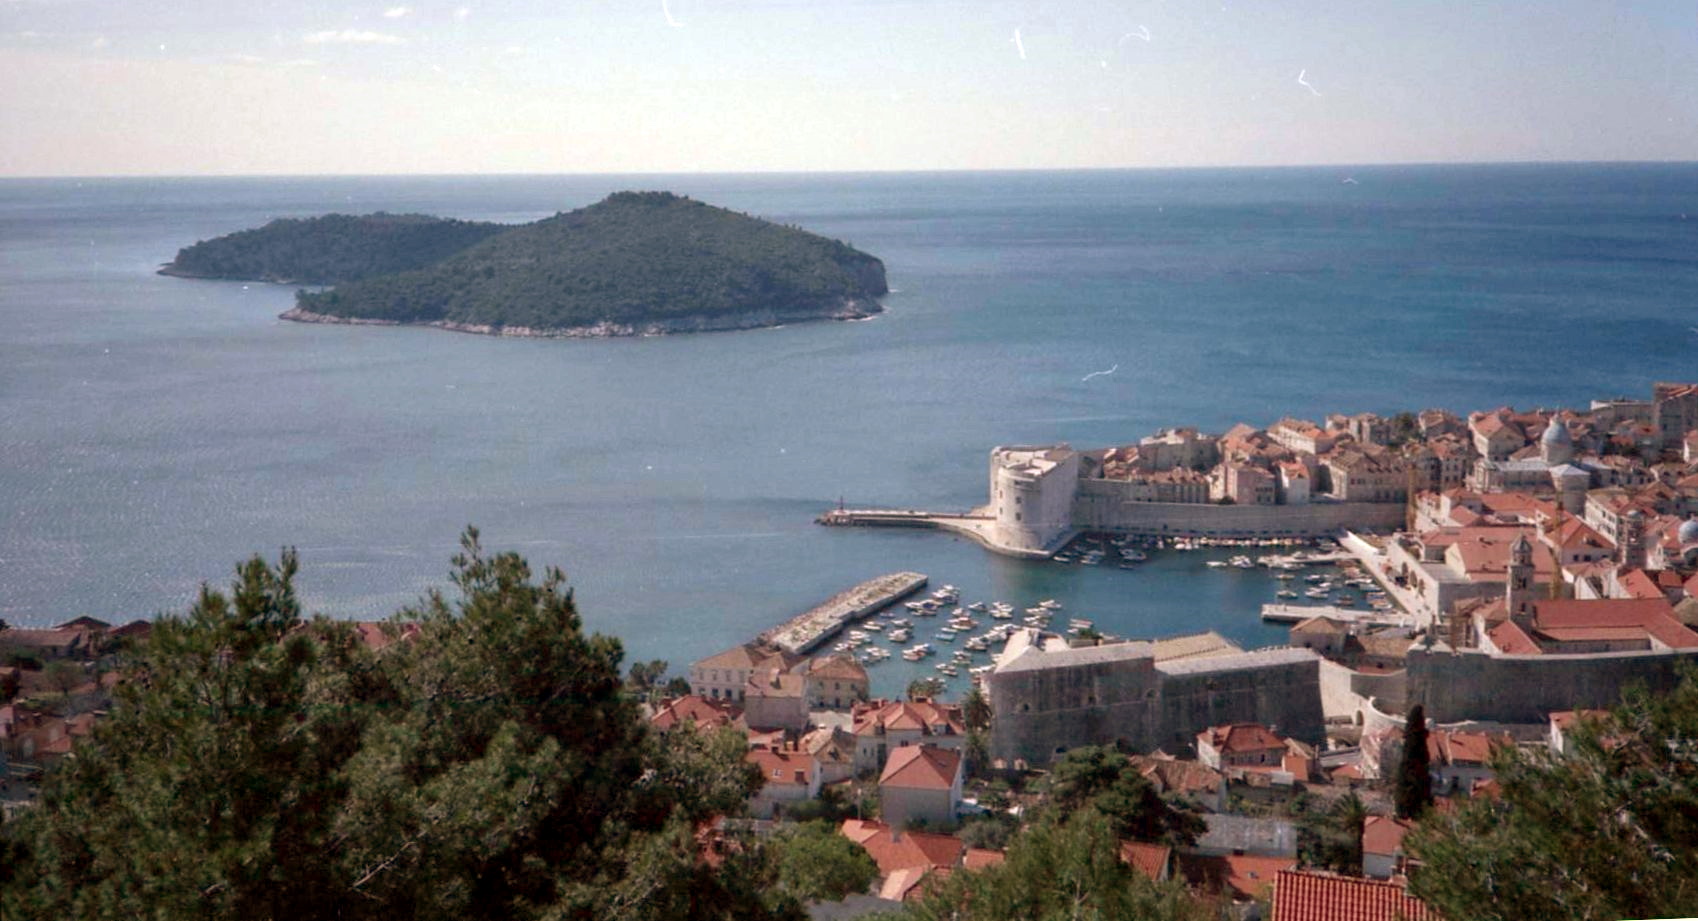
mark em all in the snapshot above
pixel 805 632
pixel 1297 613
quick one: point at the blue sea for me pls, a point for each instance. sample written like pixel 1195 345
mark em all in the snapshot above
pixel 154 431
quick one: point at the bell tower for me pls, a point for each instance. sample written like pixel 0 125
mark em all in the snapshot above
pixel 1518 592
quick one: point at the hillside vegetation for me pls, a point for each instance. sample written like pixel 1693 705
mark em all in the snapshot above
pixel 331 249
pixel 634 258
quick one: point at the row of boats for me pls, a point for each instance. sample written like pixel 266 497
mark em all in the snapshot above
pixel 963 624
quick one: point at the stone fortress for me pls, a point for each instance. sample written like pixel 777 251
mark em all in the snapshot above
pixel 1048 696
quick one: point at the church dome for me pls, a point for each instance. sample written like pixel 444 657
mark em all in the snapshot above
pixel 1688 533
pixel 1556 434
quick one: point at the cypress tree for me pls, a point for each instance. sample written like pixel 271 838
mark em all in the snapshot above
pixel 1414 792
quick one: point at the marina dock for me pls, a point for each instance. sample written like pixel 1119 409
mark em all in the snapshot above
pixel 1297 613
pixel 805 632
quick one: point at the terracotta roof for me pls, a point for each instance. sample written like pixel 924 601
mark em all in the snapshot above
pixel 1653 616
pixel 775 684
pixel 1321 623
pixel 1241 737
pixel 84 622
pixel 1448 746
pixel 842 668
pixel 1174 776
pixel 830 745
pixel 1638 584
pixel 377 635
pixel 1564 720
pixel 921 716
pixel 1511 640
pixel 782 768
pixel 41 639
pixel 1383 834
pixel 1307 896
pixel 1240 876
pixel 694 709
pixel 909 849
pixel 138 628
pixel 1148 859
pixel 749 656
pixel 921 767
pixel 904 884
pixel 977 858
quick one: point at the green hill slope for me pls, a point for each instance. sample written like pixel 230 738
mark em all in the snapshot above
pixel 636 262
pixel 331 249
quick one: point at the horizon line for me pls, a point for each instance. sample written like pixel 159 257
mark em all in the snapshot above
pixel 1391 164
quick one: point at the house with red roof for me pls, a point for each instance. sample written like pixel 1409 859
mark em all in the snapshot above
pixel 1302 895
pixel 836 683
pixel 775 699
pixel 789 775
pixel 1237 878
pixel 921 783
pixel 1243 749
pixel 893 849
pixel 699 711
pixel 725 675
pixel 1153 860
pixel 1458 760
pixel 882 726
pixel 1382 846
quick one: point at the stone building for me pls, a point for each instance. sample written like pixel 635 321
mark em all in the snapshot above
pixel 1047 698
pixel 920 783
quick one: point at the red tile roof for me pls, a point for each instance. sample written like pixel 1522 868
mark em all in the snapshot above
pixel 1383 834
pixel 1149 859
pixel 1305 896
pixel 1241 737
pixel 977 858
pixel 909 849
pixel 907 716
pixel 1240 876
pixel 782 768
pixel 691 708
pixel 1653 616
pixel 1449 746
pixel 921 767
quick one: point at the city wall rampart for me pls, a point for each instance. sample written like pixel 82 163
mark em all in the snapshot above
pixel 1094 509
pixel 1473 685
pixel 1040 713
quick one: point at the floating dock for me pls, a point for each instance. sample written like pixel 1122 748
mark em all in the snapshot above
pixel 1297 613
pixel 805 632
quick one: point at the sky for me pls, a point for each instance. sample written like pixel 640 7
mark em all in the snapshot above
pixel 243 87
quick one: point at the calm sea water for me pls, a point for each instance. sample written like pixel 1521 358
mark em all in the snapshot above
pixel 154 430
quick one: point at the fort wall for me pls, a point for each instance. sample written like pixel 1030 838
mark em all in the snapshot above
pixel 1096 509
pixel 1040 713
pixel 1474 685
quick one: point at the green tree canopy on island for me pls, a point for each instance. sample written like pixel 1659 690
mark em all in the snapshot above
pixel 330 249
pixel 260 765
pixel 1608 830
pixel 634 258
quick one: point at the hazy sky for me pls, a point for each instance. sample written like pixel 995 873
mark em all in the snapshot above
pixel 97 87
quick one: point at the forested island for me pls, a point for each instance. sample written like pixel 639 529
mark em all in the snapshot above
pixel 331 249
pixel 636 263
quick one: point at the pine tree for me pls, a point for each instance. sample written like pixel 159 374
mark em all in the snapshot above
pixel 1414 791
